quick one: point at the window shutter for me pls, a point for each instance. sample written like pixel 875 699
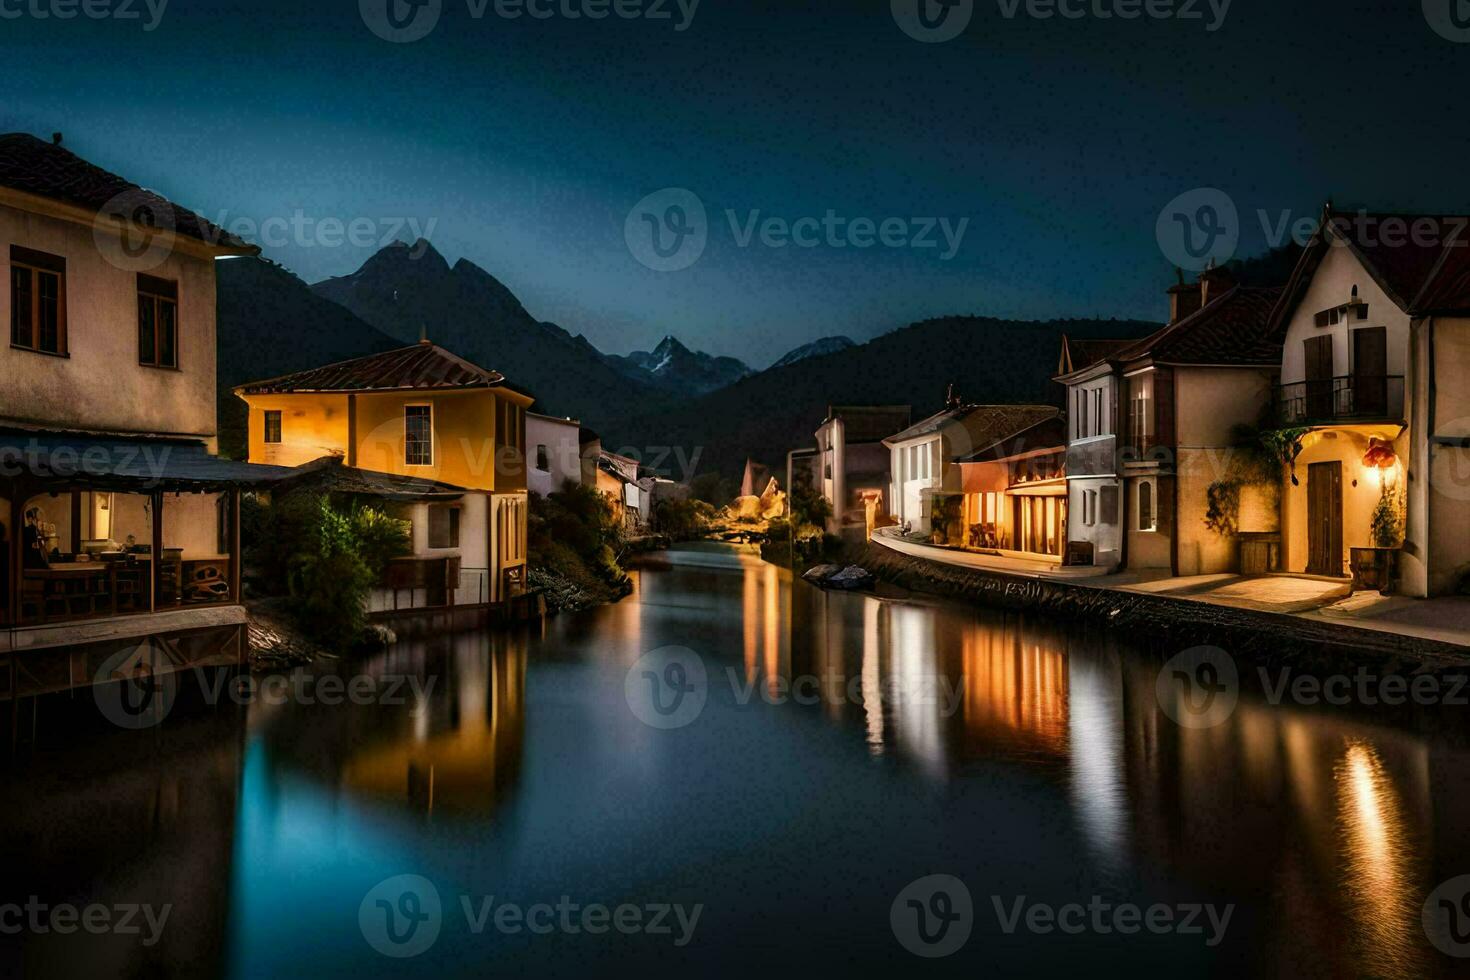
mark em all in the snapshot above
pixel 1109 505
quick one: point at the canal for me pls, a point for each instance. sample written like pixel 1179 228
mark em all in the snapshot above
pixel 732 774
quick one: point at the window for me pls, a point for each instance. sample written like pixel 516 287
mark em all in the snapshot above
pixel 443 526
pixel 1146 511
pixel 158 322
pixel 1141 419
pixel 272 428
pixel 543 460
pixel 1089 507
pixel 418 435
pixel 37 301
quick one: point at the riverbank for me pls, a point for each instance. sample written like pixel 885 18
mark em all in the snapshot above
pixel 1177 622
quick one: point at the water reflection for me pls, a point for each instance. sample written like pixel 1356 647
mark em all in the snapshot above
pixel 1048 772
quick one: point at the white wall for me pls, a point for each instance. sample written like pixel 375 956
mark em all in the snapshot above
pixel 1332 286
pixel 563 453
pixel 909 482
pixel 101 385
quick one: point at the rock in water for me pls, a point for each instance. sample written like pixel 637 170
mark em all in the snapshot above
pixel 852 577
pixel 819 574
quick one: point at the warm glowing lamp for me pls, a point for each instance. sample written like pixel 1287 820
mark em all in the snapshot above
pixel 1380 457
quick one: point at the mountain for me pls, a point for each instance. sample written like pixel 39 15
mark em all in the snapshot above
pixel 270 323
pixel 766 415
pixel 817 348
pixel 679 370
pixel 408 291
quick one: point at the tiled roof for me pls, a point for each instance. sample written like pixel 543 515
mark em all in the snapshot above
pixel 51 171
pixel 424 366
pixel 986 424
pixel 1234 329
pixel 1079 354
pixel 1423 271
pixel 1048 433
pixel 329 474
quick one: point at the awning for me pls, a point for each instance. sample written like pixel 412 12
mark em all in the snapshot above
pixel 330 475
pixel 49 460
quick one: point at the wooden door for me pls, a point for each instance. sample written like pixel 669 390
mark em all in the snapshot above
pixel 1370 372
pixel 1319 377
pixel 1324 519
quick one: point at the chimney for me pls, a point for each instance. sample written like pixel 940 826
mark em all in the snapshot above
pixel 55 139
pixel 951 399
pixel 1184 298
pixel 1214 283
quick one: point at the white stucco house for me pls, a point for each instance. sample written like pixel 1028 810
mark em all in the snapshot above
pixel 554 452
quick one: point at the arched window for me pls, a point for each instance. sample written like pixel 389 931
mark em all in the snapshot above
pixel 1146 505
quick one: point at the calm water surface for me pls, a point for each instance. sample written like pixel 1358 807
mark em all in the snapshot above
pixel 1041 771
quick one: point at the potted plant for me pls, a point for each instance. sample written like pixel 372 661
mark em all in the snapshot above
pixel 1375 567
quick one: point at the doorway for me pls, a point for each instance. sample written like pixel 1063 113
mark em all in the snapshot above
pixel 1324 519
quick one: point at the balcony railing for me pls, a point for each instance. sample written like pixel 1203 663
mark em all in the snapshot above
pixel 1353 398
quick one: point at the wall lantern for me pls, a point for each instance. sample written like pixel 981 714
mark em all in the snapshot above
pixel 1381 458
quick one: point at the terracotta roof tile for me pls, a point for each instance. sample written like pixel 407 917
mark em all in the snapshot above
pixel 423 366
pixel 1234 329
pixel 51 171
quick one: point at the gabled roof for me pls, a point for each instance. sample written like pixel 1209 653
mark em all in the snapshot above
pixel 986 424
pixel 107 462
pixel 1080 354
pixel 422 367
pixel 1421 273
pixel 48 170
pixel 1046 434
pixel 1235 329
pixel 331 475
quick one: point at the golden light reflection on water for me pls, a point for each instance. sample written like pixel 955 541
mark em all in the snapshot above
pixel 1379 874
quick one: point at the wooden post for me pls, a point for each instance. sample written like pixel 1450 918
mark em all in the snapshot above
pixel 76 522
pixel 157 575
pixel 236 556
pixel 13 554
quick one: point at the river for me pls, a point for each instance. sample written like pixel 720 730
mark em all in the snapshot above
pixel 765 814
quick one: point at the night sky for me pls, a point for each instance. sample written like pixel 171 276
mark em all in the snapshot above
pixel 526 143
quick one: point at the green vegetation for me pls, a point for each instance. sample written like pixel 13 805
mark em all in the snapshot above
pixel 1260 456
pixel 683 520
pixel 801 537
pixel 576 543
pixel 326 556
pixel 1387 525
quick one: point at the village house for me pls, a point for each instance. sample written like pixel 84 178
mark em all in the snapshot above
pixel 554 448
pixel 849 467
pixel 1156 424
pixel 925 459
pixel 1013 496
pixel 618 481
pixel 114 508
pixel 442 439
pixel 1377 347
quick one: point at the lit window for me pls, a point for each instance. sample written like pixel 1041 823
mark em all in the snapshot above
pixel 272 427
pixel 418 435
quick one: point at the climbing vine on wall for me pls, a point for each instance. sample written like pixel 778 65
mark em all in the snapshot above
pixel 1259 457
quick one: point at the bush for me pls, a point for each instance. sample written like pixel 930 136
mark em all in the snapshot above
pixel 683 520
pixel 341 556
pixel 575 538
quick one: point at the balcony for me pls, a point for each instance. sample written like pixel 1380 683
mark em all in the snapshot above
pixel 1352 398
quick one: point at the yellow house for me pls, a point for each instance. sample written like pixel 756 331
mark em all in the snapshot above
pixel 441 437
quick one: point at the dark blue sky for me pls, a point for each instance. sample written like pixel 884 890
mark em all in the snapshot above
pixel 527 142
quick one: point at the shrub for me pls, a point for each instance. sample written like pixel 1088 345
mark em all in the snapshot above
pixel 341 558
